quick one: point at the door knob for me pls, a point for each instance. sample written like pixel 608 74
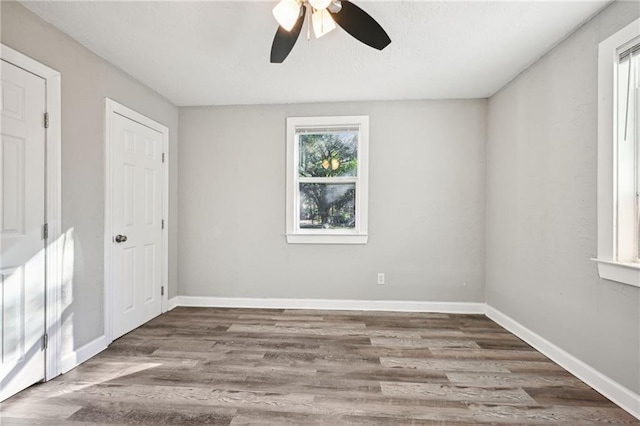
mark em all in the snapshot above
pixel 120 238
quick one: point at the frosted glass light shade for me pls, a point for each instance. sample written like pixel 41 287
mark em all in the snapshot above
pixel 322 23
pixel 319 4
pixel 286 13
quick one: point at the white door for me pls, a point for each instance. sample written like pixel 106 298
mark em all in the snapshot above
pixel 136 213
pixel 22 215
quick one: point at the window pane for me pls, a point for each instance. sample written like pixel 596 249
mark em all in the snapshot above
pixel 636 126
pixel 327 206
pixel 328 154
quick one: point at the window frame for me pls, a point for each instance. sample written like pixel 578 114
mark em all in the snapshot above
pixel 626 162
pixel 613 258
pixel 357 235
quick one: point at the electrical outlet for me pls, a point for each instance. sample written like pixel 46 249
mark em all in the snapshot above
pixel 380 278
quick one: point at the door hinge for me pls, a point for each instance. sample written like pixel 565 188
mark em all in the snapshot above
pixel 45 231
pixel 162 223
pixel 46 120
pixel 45 341
pixel 162 291
pixel 163 157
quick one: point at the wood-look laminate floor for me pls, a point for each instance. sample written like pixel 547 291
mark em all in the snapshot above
pixel 196 366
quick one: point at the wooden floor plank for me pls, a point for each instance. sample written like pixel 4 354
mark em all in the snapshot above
pixel 238 367
pixel 430 391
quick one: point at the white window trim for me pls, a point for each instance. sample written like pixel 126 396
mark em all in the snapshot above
pixel 359 235
pixel 609 267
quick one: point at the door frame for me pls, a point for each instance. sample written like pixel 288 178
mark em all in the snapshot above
pixel 53 204
pixel 112 107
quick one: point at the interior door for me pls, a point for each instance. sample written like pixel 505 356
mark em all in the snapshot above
pixel 136 213
pixel 22 216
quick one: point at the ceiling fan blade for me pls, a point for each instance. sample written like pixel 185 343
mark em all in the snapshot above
pixel 361 25
pixel 284 40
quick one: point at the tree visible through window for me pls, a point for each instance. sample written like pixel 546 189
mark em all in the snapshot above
pixel 325 156
pixel 327 179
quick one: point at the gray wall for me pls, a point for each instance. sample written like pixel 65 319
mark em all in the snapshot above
pixel 86 81
pixel 426 216
pixel 541 207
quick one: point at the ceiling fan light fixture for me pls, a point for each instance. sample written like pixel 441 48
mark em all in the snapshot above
pixel 319 4
pixel 286 13
pixel 322 23
pixel 325 15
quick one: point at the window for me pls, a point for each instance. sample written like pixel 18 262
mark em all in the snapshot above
pixel 619 156
pixel 627 153
pixel 327 178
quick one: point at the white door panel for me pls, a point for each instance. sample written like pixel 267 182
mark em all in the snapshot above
pixel 136 215
pixel 22 215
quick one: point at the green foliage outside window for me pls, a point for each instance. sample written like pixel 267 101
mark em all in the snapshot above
pixel 328 155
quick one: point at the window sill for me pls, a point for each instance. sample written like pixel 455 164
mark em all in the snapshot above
pixel 622 272
pixel 327 239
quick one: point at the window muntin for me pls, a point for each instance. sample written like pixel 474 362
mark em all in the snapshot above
pixel 327 175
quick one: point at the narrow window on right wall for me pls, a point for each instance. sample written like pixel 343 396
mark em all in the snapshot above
pixel 619 156
pixel 627 154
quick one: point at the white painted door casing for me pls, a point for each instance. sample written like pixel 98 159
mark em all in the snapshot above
pixel 22 216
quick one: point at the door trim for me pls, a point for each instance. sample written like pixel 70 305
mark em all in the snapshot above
pixel 112 107
pixel 53 204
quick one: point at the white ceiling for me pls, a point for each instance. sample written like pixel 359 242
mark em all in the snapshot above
pixel 217 53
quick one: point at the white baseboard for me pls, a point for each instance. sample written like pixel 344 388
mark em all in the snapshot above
pixel 80 355
pixel 331 304
pixel 618 394
pixel 172 303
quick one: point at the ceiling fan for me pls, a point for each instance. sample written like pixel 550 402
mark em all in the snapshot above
pixel 325 14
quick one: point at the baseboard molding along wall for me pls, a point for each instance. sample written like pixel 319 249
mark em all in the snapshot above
pixel 172 303
pixel 331 304
pixel 620 395
pixel 83 353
